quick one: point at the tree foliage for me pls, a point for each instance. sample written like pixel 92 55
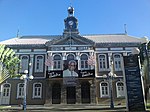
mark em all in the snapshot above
pixel 144 59
pixel 144 48
pixel 8 63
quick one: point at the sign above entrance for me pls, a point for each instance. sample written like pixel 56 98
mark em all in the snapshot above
pixel 54 74
pixel 81 74
pixel 86 73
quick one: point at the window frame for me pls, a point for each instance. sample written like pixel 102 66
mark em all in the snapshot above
pixel 84 62
pixel 26 63
pixel 18 90
pixel 34 91
pixel 105 88
pixel 41 68
pixel 105 62
pixel 6 90
pixel 57 62
pixel 119 92
pixel 117 66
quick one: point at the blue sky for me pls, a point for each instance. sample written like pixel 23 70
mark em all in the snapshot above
pixel 46 17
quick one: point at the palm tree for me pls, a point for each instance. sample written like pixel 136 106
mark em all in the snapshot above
pixel 8 63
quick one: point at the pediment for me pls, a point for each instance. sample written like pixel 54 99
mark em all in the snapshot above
pixel 70 40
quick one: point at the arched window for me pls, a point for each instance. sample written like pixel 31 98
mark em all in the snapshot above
pixel 120 89
pixel 117 62
pixel 37 90
pixel 102 62
pixel 20 90
pixel 39 63
pixel 104 89
pixel 5 93
pixel 84 64
pixel 24 64
pixel 70 57
pixel 57 62
pixel 6 89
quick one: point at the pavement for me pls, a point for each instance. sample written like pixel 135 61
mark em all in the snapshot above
pixel 64 108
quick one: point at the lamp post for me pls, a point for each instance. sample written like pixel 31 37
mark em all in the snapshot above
pixel 25 77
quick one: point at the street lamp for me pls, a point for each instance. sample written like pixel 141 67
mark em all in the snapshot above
pixel 25 77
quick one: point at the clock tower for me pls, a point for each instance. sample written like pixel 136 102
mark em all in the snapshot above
pixel 71 22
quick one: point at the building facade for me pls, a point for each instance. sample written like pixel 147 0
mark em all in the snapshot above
pixel 94 56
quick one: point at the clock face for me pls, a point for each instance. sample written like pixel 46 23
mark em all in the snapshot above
pixel 70 23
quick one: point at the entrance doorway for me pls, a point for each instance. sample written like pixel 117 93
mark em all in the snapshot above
pixel 85 92
pixel 5 94
pixel 71 95
pixel 56 93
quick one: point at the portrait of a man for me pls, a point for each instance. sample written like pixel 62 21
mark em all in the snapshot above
pixel 70 71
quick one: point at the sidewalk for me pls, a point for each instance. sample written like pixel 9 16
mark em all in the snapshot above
pixel 60 107
pixel 65 108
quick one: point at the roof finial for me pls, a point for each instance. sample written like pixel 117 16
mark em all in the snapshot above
pixel 125 28
pixel 18 33
pixel 70 2
pixel 70 11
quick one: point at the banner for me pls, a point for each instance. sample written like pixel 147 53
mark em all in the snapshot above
pixel 86 73
pixel 70 69
pixel 54 74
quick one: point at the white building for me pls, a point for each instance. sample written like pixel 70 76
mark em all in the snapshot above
pixel 93 55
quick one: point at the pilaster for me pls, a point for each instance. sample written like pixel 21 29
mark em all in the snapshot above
pixel 78 94
pixel 93 92
pixel 48 93
pixel 31 65
pixel 63 95
pixel 109 59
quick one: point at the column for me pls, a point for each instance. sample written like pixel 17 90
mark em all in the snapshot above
pixel 64 56
pixel 63 95
pixel 78 59
pixel 31 66
pixel 93 92
pixel 48 99
pixel 125 54
pixel 110 59
pixel 78 94
pixel 63 89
